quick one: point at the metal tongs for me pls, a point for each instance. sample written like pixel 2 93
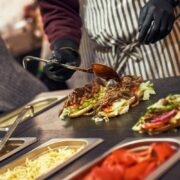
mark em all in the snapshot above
pixel 15 124
pixel 54 61
pixel 99 70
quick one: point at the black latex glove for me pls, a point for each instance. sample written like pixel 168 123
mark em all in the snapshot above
pixel 65 55
pixel 156 20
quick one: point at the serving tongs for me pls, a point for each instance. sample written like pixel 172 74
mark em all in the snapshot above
pixel 99 70
pixel 15 124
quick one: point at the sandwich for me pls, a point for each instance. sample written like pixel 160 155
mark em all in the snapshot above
pixel 106 99
pixel 162 116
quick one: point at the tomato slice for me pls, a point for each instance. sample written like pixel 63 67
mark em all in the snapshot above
pixel 98 173
pixel 125 157
pixel 117 171
pixel 140 170
pixel 128 165
pixel 148 126
pixel 163 151
pixel 107 108
pixel 134 90
pixel 110 161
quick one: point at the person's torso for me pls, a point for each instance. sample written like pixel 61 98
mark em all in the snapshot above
pixel 112 21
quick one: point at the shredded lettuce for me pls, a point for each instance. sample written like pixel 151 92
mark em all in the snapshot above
pixel 137 126
pixel 101 117
pixel 64 114
pixel 118 104
pixel 117 108
pixel 176 118
pixel 173 102
pixel 146 89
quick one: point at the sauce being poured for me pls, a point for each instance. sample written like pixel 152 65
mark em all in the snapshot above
pixel 105 72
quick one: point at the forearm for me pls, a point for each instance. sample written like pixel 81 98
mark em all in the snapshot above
pixel 61 20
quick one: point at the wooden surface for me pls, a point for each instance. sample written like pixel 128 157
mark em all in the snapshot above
pixel 47 126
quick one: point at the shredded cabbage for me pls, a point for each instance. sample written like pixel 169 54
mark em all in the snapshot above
pixel 64 113
pixel 32 169
pixel 146 89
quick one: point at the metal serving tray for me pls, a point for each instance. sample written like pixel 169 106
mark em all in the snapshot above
pixel 134 145
pixel 39 105
pixel 86 145
pixel 14 145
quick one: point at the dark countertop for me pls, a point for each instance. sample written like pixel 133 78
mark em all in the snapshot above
pixel 47 126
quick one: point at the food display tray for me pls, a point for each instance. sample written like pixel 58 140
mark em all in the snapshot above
pixel 133 145
pixel 14 145
pixel 39 105
pixel 86 143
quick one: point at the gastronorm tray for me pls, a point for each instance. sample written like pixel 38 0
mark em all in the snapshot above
pixel 72 143
pixel 133 145
pixel 14 145
pixel 39 105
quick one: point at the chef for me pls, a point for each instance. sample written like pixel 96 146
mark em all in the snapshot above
pixel 137 37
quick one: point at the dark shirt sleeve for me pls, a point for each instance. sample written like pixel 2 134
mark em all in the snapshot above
pixel 61 19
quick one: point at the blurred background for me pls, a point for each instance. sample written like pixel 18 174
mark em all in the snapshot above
pixel 21 29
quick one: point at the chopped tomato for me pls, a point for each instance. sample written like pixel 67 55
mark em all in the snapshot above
pixel 98 173
pixel 125 157
pixel 117 171
pixel 107 108
pixel 144 155
pixel 110 161
pixel 134 90
pixel 163 151
pixel 104 173
pixel 131 165
pixel 152 125
pixel 74 105
pixel 152 165
pixel 138 171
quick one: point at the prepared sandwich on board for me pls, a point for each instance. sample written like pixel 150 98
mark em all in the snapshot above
pixel 162 116
pixel 105 99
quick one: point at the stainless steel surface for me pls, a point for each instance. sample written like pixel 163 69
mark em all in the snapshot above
pixel 39 104
pixel 47 126
pixel 86 144
pixel 134 145
pixel 14 145
pixel 13 126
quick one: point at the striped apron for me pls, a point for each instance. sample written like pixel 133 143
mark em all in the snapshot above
pixel 110 36
pixel 113 27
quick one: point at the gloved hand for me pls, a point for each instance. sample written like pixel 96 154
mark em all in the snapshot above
pixel 66 55
pixel 156 20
